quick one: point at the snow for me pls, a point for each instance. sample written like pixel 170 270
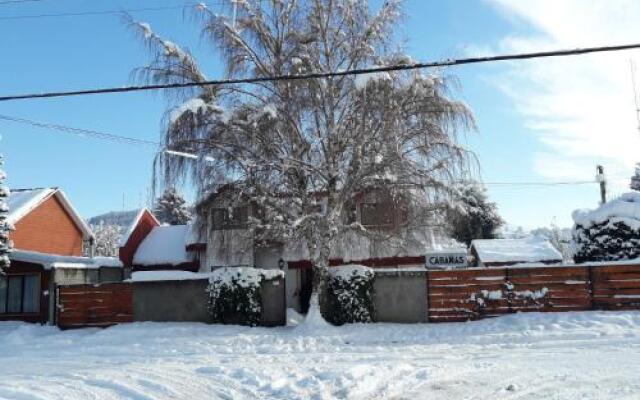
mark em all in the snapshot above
pixel 151 276
pixel 529 356
pixel 361 81
pixel 245 276
pixel 53 261
pixel 345 272
pixel 165 245
pixel 193 105
pixel 527 250
pixel 21 202
pixel 625 208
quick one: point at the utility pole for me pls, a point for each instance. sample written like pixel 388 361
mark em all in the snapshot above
pixel 600 178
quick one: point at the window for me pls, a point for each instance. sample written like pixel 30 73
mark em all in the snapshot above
pixel 230 218
pixel 376 214
pixel 19 294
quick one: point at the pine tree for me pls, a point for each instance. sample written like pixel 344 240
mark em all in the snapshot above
pixel 107 239
pixel 171 208
pixel 473 215
pixel 5 226
pixel 635 179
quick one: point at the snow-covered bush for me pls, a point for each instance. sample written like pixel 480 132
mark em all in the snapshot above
pixel 609 233
pixel 348 296
pixel 234 294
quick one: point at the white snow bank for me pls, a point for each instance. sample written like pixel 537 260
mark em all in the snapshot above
pixel 53 261
pixel 150 276
pixel 625 208
pixel 577 355
pixel 527 250
pixel 165 245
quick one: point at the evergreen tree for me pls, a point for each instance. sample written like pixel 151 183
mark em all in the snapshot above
pixel 171 208
pixel 635 179
pixel 473 216
pixel 5 226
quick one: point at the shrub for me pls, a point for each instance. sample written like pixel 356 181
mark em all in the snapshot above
pixel 348 296
pixel 234 294
pixel 610 232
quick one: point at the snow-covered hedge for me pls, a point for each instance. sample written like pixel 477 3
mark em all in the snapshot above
pixel 609 233
pixel 234 294
pixel 348 296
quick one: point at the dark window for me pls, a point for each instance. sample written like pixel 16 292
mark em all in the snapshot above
pixel 376 214
pixel 19 294
pixel 230 218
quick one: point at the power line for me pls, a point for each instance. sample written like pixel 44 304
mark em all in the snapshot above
pixel 316 75
pixel 135 141
pixel 104 12
pixel 82 132
pixel 17 1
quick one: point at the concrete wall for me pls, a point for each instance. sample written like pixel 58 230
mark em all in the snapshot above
pixel 400 296
pixel 165 301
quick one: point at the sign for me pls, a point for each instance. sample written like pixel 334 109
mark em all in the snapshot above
pixel 443 259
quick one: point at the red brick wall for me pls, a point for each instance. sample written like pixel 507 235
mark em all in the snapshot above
pixel 48 229
pixel 144 227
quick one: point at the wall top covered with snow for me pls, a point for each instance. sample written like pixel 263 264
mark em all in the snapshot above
pixel 53 261
pixel 625 208
pixel 530 249
pixel 348 271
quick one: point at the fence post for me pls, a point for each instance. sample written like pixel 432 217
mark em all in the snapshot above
pixel 591 299
pixel 509 291
pixel 426 297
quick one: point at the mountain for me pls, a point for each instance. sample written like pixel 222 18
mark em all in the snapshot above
pixel 120 218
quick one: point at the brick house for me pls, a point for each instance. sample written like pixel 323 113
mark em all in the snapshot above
pixel 50 240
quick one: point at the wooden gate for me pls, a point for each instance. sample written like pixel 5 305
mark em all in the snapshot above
pixel 94 305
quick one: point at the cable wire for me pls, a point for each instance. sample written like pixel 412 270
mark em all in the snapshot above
pixel 316 75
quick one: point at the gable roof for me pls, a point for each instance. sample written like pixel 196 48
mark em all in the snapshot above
pixel 531 249
pixel 124 238
pixel 21 202
pixel 165 245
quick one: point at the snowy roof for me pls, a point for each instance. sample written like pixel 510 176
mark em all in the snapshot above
pixel 53 261
pixel 132 226
pixel 165 245
pixel 22 201
pixel 625 208
pixel 530 249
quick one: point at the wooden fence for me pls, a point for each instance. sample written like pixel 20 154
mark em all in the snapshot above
pixel 461 295
pixel 94 305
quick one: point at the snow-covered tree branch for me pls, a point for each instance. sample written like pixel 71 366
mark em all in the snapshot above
pixel 302 152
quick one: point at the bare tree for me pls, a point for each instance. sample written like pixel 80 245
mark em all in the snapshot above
pixel 107 239
pixel 284 145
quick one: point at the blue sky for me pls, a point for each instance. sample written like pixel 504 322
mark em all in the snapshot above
pixel 537 121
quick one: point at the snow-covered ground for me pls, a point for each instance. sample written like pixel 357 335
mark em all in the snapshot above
pixel 591 355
